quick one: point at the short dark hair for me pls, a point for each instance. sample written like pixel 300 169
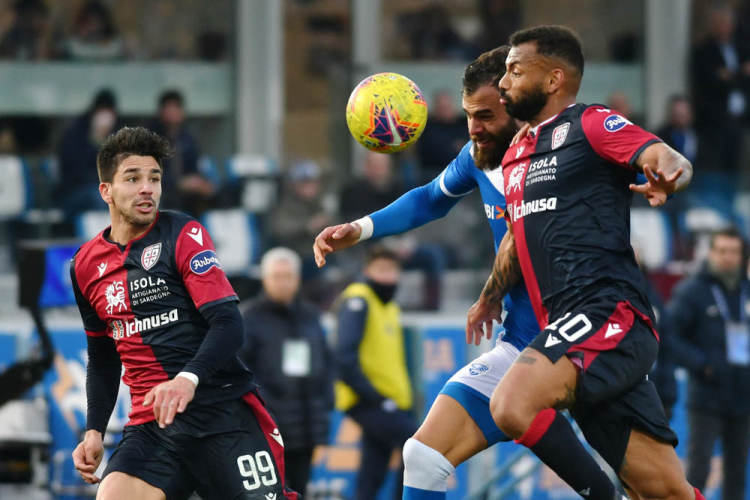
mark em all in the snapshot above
pixel 554 41
pixel 487 69
pixel 381 252
pixel 729 231
pixel 129 141
pixel 171 95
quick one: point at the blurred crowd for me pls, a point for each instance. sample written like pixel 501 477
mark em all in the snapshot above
pixel 291 202
pixel 75 30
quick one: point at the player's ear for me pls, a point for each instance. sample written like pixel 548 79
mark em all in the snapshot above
pixel 555 80
pixel 105 191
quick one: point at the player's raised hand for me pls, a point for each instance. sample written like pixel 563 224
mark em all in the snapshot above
pixel 479 320
pixel 658 186
pixel 335 238
pixel 88 455
pixel 170 398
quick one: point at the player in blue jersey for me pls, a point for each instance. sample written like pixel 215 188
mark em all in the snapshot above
pixel 459 423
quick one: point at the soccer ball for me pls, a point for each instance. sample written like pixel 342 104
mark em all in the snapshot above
pixel 386 112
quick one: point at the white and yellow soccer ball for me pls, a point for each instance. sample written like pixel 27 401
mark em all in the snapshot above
pixel 386 112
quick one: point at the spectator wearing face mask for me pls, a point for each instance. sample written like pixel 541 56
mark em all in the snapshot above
pixel 77 189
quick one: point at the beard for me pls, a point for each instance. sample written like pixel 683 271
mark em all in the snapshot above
pixel 525 107
pixel 490 158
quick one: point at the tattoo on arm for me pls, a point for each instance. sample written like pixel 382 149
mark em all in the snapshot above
pixel 568 400
pixel 526 359
pixel 506 270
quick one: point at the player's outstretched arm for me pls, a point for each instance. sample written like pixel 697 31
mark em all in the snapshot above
pixel 414 208
pixel 506 273
pixel 666 171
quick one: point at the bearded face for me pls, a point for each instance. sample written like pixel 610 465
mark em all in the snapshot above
pixel 525 105
pixel 490 157
pixel 490 127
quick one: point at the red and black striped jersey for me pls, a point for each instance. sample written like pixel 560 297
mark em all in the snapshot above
pixel 568 201
pixel 148 297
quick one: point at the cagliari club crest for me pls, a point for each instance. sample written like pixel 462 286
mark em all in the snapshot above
pixel 150 255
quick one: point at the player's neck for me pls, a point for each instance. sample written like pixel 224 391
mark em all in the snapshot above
pixel 553 107
pixel 123 232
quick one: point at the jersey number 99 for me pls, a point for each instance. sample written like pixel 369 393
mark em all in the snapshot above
pixel 257 470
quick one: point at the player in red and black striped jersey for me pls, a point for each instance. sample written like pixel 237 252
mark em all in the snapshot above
pixel 568 179
pixel 154 300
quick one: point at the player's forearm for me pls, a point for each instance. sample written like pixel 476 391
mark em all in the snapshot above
pixel 222 342
pixel 506 271
pixel 102 382
pixel 670 161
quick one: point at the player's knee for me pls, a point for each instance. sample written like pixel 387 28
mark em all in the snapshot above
pixel 121 486
pixel 668 486
pixel 424 467
pixel 511 417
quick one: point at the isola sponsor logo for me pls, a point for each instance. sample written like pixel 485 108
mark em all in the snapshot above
pixel 613 123
pixel 204 261
pixel 519 210
pixel 122 329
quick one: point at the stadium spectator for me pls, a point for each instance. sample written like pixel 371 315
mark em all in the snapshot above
pixel 679 131
pixel 443 137
pixel 286 349
pixel 93 35
pixel 29 38
pixel 720 75
pixel 374 387
pixel 301 212
pixel 184 187
pixel 708 318
pixel 78 189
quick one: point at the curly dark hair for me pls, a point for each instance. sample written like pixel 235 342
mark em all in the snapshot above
pixel 487 69
pixel 129 141
pixel 555 41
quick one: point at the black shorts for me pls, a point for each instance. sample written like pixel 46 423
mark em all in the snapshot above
pixel 244 463
pixel 614 345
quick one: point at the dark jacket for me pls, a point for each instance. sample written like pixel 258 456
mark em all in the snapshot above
pixel 698 342
pixel 299 404
pixel 711 92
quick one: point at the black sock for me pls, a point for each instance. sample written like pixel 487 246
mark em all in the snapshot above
pixel 552 439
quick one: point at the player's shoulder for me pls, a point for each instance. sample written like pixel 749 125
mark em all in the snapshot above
pixel 175 220
pixel 464 160
pixel 602 117
pixel 91 254
pixel 175 224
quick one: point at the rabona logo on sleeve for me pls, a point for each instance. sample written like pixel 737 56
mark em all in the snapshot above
pixel 613 123
pixel 202 262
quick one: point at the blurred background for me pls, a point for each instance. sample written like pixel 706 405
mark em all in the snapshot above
pixel 252 95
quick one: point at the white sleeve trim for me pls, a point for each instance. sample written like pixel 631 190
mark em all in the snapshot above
pixel 190 376
pixel 445 190
pixel 365 223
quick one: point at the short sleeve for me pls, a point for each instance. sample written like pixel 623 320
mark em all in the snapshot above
pixel 614 137
pixel 200 268
pixel 457 179
pixel 92 323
